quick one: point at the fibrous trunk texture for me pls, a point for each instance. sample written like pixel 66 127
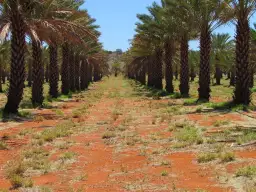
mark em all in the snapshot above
pixel 65 70
pixel 242 93
pixel 84 75
pixel 1 87
pixel 29 72
pixel 184 67
pixel 18 47
pixel 150 72
pixel 72 70
pixel 53 71
pixel 37 74
pixel 168 58
pixel 157 72
pixel 204 74
pixel 77 72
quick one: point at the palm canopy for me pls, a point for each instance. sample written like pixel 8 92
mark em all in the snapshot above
pixel 46 19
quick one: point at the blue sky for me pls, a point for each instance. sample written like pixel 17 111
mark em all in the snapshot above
pixel 117 20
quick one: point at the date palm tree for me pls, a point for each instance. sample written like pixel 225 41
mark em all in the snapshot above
pixel 239 12
pixel 222 46
pixel 186 26
pixel 207 16
pixel 4 55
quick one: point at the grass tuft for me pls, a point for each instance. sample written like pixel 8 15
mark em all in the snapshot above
pixel 248 171
pixel 189 135
pixel 3 145
pixel 206 157
pixel 227 156
pixel 108 135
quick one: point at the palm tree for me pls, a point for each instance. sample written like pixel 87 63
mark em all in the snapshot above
pixel 222 46
pixel 239 11
pixel 150 30
pixel 194 60
pixel 29 79
pixel 184 23
pixel 18 43
pixel 53 70
pixel 65 69
pixel 252 54
pixel 4 55
pixel 37 74
pixel 84 74
pixel 206 14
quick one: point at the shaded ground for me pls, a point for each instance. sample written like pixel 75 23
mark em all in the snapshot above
pixel 116 138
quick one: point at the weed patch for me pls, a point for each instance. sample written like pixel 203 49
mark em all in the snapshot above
pixel 248 171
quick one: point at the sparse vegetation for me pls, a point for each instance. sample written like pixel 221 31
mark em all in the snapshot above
pixel 206 157
pixel 164 173
pixel 3 145
pixel 61 130
pixel 227 156
pixel 67 156
pixel 108 135
pixel 189 135
pixel 248 171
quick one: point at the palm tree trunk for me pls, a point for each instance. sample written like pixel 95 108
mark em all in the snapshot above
pixel 168 58
pixel 204 74
pixel 53 70
pixel 96 72
pixel 90 69
pixel 242 93
pixel 84 75
pixel 46 75
pixel 150 73
pixel 251 78
pixel 3 76
pixel 158 73
pixel 232 76
pixel 1 87
pixel 72 71
pixel 30 72
pixel 38 74
pixel 192 73
pixel 143 74
pixel 184 68
pixel 77 71
pixel 65 69
pixel 228 75
pixel 18 47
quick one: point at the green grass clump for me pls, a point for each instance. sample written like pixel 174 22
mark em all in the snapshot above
pixel 164 173
pixel 25 132
pixel 37 159
pixel 189 134
pixel 25 114
pixel 219 123
pixel 247 136
pixel 227 156
pixel 227 106
pixel 16 174
pixel 189 102
pixel 58 112
pixel 206 157
pixel 3 145
pixel 180 145
pixel 67 156
pixel 248 171
pixel 61 130
pixel 108 135
pixel 176 96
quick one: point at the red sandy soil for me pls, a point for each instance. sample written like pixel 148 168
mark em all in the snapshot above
pixel 108 169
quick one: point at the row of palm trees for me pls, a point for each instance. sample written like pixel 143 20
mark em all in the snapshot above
pixel 31 27
pixel 171 25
